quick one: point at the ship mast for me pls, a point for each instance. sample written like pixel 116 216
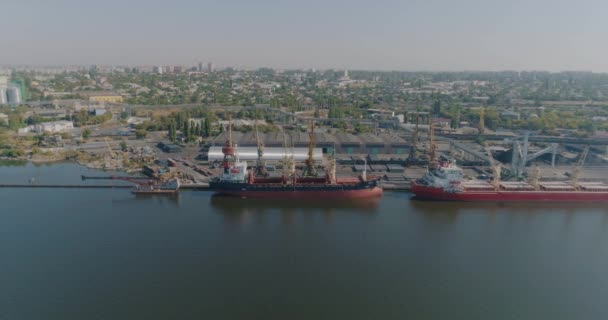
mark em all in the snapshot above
pixel 288 163
pixel 260 168
pixel 432 146
pixel 309 169
pixel 228 150
pixel 332 170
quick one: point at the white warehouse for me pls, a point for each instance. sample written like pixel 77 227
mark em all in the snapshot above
pixel 251 153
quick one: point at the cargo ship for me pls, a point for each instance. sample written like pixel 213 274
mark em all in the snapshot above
pixel 446 182
pixel 236 180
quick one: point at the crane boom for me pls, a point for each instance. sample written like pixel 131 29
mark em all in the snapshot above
pixel 310 169
pixel 581 160
pixel 495 168
pixel 577 170
pixel 112 154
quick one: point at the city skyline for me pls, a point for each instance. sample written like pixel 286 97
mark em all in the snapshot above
pixel 389 35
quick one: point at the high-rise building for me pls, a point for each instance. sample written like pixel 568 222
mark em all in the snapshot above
pixel 177 69
pixel 3 99
pixel 13 95
pixel 158 69
pixel 210 67
pixel 200 67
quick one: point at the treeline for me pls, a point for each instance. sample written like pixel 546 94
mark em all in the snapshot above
pixel 548 122
pixel 84 118
pixel 191 123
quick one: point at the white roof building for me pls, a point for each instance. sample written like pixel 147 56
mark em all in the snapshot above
pixel 251 153
pixel 50 127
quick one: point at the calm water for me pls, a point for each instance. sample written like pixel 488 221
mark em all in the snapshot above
pixel 106 254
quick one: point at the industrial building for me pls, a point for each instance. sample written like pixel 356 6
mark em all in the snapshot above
pixel 271 154
pixel 169 147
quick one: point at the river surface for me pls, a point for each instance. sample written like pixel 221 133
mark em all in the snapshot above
pixel 107 254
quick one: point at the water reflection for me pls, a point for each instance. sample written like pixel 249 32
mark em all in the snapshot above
pixel 239 210
pixel 563 216
pixel 447 207
pixel 160 200
pixel 13 163
pixel 170 198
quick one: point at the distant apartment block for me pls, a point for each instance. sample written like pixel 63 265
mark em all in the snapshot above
pixel 158 69
pixel 13 95
pixel 3 98
pixel 508 114
pixel 50 127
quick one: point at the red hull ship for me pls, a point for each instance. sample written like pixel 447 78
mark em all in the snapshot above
pixel 446 183
pixel 236 180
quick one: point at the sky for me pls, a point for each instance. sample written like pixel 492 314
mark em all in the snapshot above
pixel 412 35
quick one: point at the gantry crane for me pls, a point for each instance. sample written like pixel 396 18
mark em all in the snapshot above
pixel 495 169
pixel 289 164
pixel 577 170
pixel 260 168
pixel 310 169
pixel 413 156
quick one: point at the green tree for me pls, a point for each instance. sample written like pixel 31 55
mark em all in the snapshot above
pixel 207 132
pixel 437 107
pixel 38 138
pixel 86 133
pixel 186 129
pixel 172 132
pixel 202 128
pixel 124 115
pixel 141 133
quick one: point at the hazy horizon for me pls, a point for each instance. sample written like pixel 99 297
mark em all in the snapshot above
pixel 439 35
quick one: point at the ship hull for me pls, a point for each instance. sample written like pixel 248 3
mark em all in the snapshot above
pixel 433 193
pixel 362 190
pixel 154 191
